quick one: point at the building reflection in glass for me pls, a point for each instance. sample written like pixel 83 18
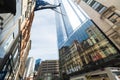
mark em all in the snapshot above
pixel 86 48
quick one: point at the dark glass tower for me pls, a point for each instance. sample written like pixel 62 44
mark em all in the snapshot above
pixel 37 63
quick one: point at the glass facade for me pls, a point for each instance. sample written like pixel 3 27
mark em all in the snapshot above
pixel 87 45
pixel 29 67
pixel 11 63
pixel 10 29
pixel 9 43
pixel 66 24
pixel 86 48
pixel 37 63
pixel 108 19
pixel 63 25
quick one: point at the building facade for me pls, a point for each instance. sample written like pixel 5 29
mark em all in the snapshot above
pixel 37 64
pixel 15 25
pixel 26 23
pixel 29 69
pixel 48 70
pixel 108 16
pixel 88 47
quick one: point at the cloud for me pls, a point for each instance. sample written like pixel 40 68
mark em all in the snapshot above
pixel 43 36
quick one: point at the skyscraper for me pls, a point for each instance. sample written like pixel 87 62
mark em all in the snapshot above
pixel 29 69
pixel 86 48
pixel 37 64
pixel 67 24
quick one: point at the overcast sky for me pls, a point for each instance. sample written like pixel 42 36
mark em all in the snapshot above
pixel 43 36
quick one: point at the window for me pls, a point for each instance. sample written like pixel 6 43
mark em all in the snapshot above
pixel 110 14
pixel 83 60
pixel 93 2
pixel 15 56
pixel 99 7
pixel 114 18
pixel 85 1
pixel 96 5
pixel 88 57
pixel 89 1
pixel 8 42
pixel 102 9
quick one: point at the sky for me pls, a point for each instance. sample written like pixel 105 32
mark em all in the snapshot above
pixel 43 32
pixel 43 36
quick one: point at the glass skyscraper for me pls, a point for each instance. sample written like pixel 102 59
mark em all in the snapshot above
pixel 83 47
pixel 67 24
pixel 37 64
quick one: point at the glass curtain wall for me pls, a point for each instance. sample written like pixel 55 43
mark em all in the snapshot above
pixel 86 47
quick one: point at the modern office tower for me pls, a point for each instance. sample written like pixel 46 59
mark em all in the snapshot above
pixel 87 48
pixel 15 23
pixel 36 69
pixel 106 14
pixel 37 64
pixel 48 70
pixel 29 69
